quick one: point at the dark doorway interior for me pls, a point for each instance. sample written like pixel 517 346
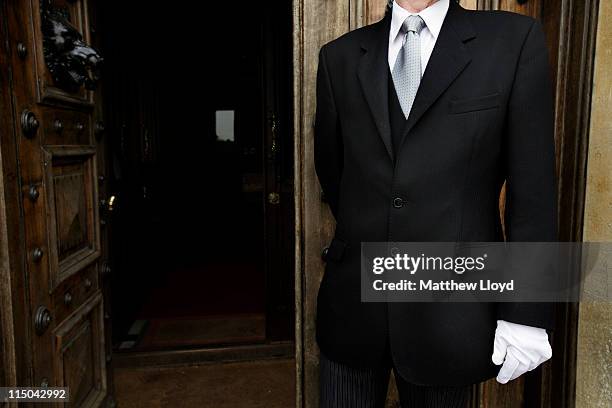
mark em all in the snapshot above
pixel 198 106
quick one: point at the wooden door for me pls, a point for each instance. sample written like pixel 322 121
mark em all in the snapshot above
pixel 57 134
pixel 278 159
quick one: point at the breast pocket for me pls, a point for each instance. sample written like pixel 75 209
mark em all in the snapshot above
pixel 475 104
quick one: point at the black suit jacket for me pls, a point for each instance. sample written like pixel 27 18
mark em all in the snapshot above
pixel 482 116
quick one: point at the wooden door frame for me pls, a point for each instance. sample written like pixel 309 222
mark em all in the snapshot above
pixel 573 24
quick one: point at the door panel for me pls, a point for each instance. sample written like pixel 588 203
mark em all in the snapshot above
pixel 79 352
pixel 57 122
pixel 74 292
pixel 73 216
pixel 65 127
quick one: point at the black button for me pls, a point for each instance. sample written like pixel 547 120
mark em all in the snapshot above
pixel 394 251
pixel 324 253
pixel 398 202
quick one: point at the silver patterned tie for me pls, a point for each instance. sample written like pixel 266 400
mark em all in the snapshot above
pixel 407 69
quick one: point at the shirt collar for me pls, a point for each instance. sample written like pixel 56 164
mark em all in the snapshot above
pixel 433 16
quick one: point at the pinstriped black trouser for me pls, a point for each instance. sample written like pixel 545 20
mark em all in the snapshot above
pixel 342 386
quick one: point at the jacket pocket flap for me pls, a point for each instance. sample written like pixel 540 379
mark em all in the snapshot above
pixel 475 104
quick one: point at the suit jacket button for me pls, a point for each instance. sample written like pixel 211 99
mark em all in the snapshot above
pixel 324 253
pixel 398 202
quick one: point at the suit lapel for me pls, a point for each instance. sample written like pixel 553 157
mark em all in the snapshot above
pixel 449 57
pixel 373 75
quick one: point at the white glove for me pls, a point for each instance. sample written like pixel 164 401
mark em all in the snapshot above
pixel 520 348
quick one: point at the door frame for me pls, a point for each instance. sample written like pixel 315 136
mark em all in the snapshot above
pixel 574 24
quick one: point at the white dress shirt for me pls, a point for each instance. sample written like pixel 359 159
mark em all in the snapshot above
pixel 433 16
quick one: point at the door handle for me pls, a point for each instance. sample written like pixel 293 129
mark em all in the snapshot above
pixel 274 198
pixel 110 204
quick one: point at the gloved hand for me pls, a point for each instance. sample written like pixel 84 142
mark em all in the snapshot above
pixel 520 348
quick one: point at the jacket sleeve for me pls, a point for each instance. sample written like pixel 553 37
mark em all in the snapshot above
pixel 328 154
pixel 531 199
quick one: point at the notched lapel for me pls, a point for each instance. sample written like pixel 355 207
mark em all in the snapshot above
pixel 449 58
pixel 373 73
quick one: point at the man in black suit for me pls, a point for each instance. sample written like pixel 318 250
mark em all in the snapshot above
pixel 420 120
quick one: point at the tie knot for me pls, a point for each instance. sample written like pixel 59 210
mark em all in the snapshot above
pixel 414 24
